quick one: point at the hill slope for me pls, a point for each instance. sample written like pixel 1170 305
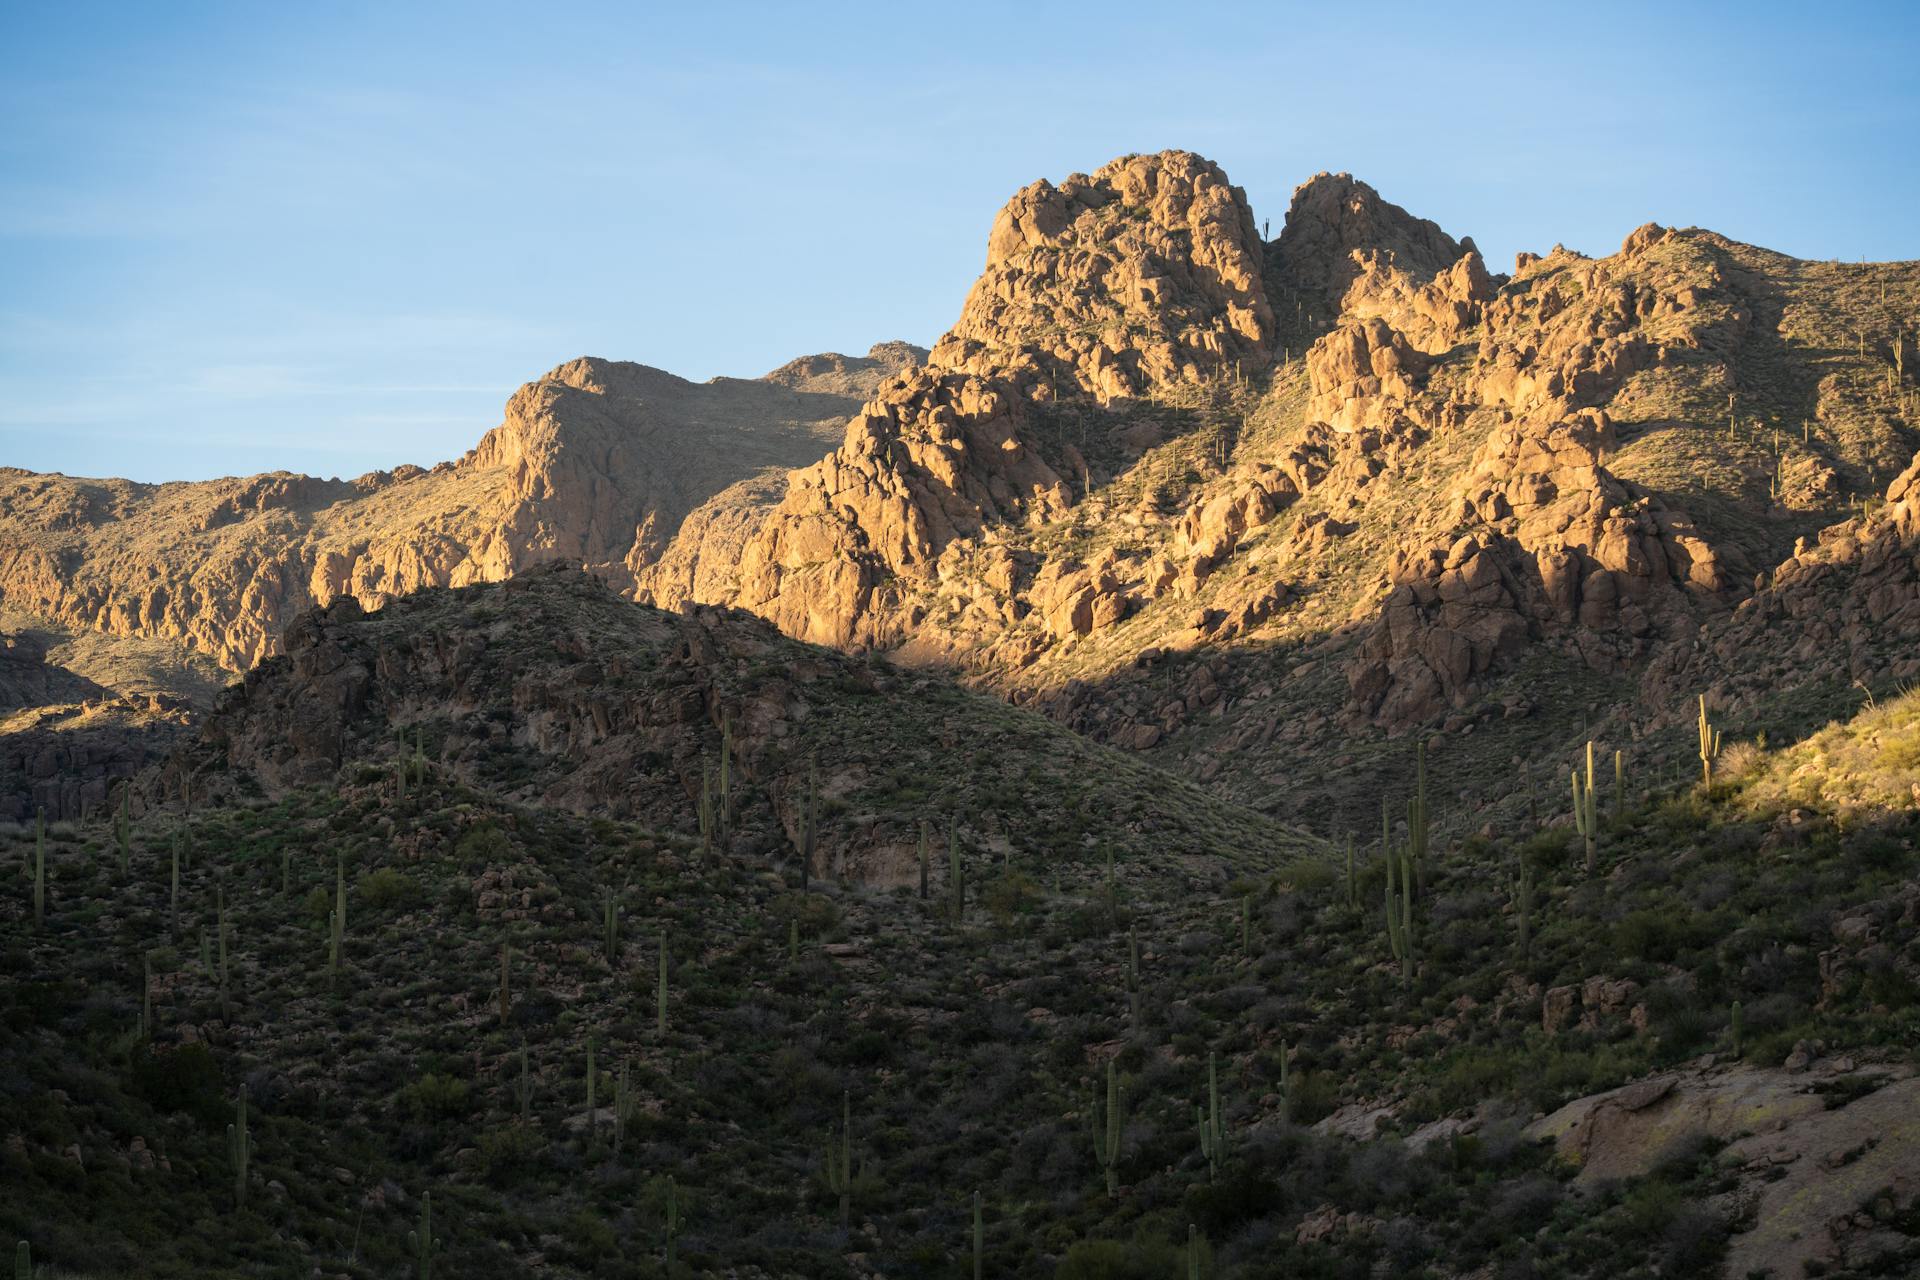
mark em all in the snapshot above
pixel 1742 958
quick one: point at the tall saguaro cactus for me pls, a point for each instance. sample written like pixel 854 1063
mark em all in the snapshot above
pixel 1709 739
pixel 839 1160
pixel 923 859
pixel 706 810
pixel 421 1243
pixel 1107 1129
pixel 239 1148
pixel 1213 1134
pixel 1521 888
pixel 1586 813
pixel 979 1237
pixel 956 876
pixel 1418 825
pixel 1399 907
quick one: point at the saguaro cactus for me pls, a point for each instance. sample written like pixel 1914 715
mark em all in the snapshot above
pixel 1709 738
pixel 979 1237
pixel 706 810
pixel 23 1261
pixel 1418 827
pixel 956 877
pixel 1107 1129
pixel 1586 813
pixel 1213 1134
pixel 1521 889
pixel 421 1243
pixel 839 1160
pixel 1399 907
pixel 239 1148
pixel 923 859
pixel 610 928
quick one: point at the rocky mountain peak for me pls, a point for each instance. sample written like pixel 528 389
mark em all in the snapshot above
pixel 1142 276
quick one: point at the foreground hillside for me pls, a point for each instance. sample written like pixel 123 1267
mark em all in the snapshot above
pixel 1686 1053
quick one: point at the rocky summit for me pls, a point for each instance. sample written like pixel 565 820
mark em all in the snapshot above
pixel 1246 757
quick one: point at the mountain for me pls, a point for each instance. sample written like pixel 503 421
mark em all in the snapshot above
pixel 1279 516
pixel 598 461
pixel 162 593
pixel 1190 492
pixel 1248 757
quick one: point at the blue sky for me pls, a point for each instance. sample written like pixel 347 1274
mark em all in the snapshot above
pixel 336 237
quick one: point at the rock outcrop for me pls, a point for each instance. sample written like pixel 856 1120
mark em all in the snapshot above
pixel 1338 230
pixel 1805 1167
pixel 934 457
pixel 1545 541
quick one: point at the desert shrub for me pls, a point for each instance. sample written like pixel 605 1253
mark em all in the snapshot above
pixel 1011 894
pixel 434 1098
pixel 483 843
pixel 1136 1259
pixel 1308 875
pixel 184 1078
pixel 506 1151
pixel 386 888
